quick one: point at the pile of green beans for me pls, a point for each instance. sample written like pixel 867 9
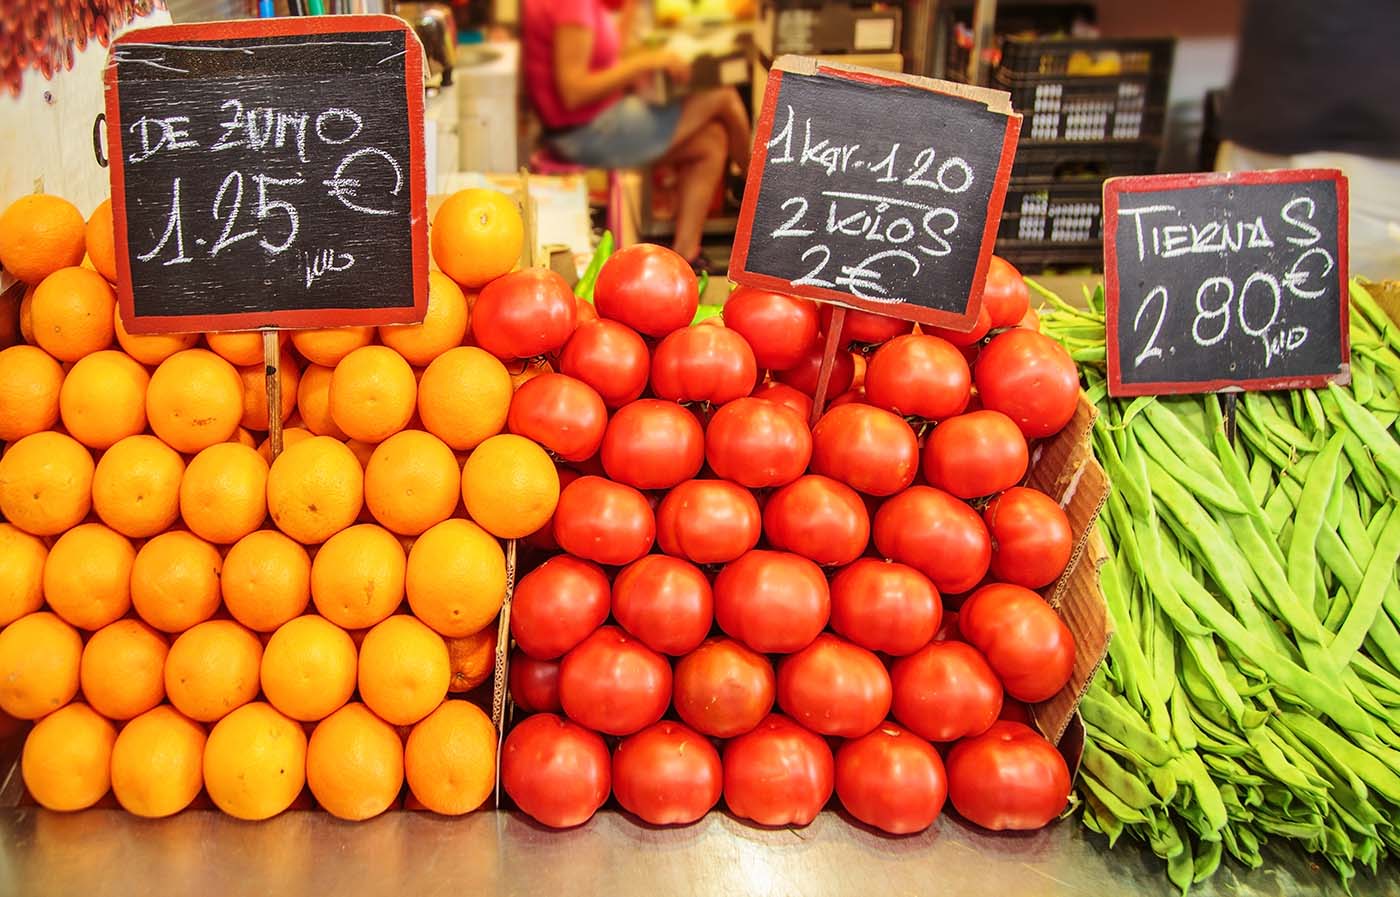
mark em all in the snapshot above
pixel 1252 687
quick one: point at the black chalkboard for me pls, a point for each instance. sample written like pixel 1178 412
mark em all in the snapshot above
pixel 878 191
pixel 268 173
pixel 1226 281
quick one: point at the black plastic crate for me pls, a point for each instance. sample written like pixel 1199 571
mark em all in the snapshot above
pixel 1049 213
pixel 1011 19
pixel 1061 160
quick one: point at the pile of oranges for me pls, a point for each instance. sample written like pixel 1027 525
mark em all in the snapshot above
pixel 182 613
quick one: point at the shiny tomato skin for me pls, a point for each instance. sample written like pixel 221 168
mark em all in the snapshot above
pixel 869 449
pixel 557 605
pixel 602 521
pixel 757 443
pixel 976 454
pixel 772 601
pixel 723 689
pixel 1008 778
pixel 524 314
pixel 786 395
pixel 1023 639
pixel 557 772
pixel 964 339
pixel 703 364
pixel 612 683
pixel 534 684
pixel 834 687
pixel 665 602
pixel 1030 378
pixel 649 288
pixel 818 518
pixel 653 444
pixel 610 357
pixel 885 606
pixel 1005 296
pixel 778 774
pixel 945 691
pixel 866 328
pixel 891 779
pixel 1031 537
pixel 918 375
pixel 936 534
pixel 780 328
pixel 564 415
pixel 803 375
pixel 667 774
pixel 708 521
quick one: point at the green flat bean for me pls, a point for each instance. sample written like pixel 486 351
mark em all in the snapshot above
pixel 1372 432
pixel 1127 787
pixel 1101 712
pixel 1380 574
pixel 1111 803
pixel 1302 549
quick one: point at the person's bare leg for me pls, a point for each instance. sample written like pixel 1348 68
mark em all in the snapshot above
pixel 722 105
pixel 699 165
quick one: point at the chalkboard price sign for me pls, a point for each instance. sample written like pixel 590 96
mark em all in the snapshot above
pixel 875 190
pixel 268 173
pixel 1226 281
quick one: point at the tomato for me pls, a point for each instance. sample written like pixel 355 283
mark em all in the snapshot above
pixel 1031 537
pixel 919 376
pixel 803 375
pixel 653 444
pixel 586 311
pixel 781 329
pixel 1005 295
pixel 1008 778
pixel 834 687
pixel 610 357
pixel 818 518
pixel 778 774
pixel 543 538
pixel 963 339
pixel 613 683
pixel 524 314
pixel 783 394
pixel 866 328
pixel 603 521
pixel 564 415
pixel 758 443
pixel 557 605
pixel 948 630
pixel 1016 712
pixel 867 448
pixel 936 534
pixel 534 684
pixel 723 689
pixel 667 774
pixel 649 288
pixel 1024 640
pixel 703 364
pixel 891 779
pixel 1030 378
pixel 556 771
pixel 708 521
pixel 1030 320
pixel 945 691
pixel 885 606
pixel 772 601
pixel 664 602
pixel 975 454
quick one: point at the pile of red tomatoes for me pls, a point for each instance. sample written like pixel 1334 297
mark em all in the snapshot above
pixel 713 555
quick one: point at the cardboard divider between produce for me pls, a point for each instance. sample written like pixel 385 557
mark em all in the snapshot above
pixel 500 682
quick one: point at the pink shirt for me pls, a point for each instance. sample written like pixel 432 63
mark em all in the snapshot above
pixel 541 18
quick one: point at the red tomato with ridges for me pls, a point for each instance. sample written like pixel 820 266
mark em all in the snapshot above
pixel 556 771
pixel 612 683
pixel 649 288
pixel 524 314
pixel 976 454
pixel 667 774
pixel 708 521
pixel 834 687
pixel 723 689
pixel 610 357
pixel 1031 537
pixel 1023 639
pixel 885 606
pixel 772 601
pixel 1005 296
pixel 818 518
pixel 869 449
pixel 564 415
pixel 653 444
pixel 780 328
pixel 803 375
pixel 866 328
pixel 778 774
pixel 557 605
pixel 665 602
pixel 603 521
pixel 891 779
pixel 945 691
pixel 534 684
pixel 757 443
pixel 1031 379
pixel 936 534
pixel 919 376
pixel 703 364
pixel 786 395
pixel 1008 778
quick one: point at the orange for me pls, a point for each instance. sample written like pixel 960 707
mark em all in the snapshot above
pixel 404 670
pixel 39 659
pixel 357 576
pixel 67 758
pixel 510 486
pixel 123 669
pixel 314 401
pixel 30 384
pixel 175 581
pixel 195 400
pixel 212 669
pixel 255 762
pixel 103 399
pixel 373 393
pixel 100 237
pixel 266 580
pixel 241 348
pixel 354 763
pixel 308 668
pixel 328 345
pixel 412 482
pixel 45 483
pixel 254 379
pixel 450 758
pixel 477 236
pixel 136 486
pixel 290 437
pixel 244 437
pixel 26 316
pixel 315 489
pixel 362 451
pixel 472 657
pixel 158 763
pixel 223 496
pixel 87 580
pixel 456 578
pixel 39 234
pixel 21 573
pixel 464 397
pixel 72 313
pixel 443 327
pixel 151 348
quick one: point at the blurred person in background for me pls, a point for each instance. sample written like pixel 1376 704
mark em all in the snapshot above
pixel 1317 85
pixel 581 75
